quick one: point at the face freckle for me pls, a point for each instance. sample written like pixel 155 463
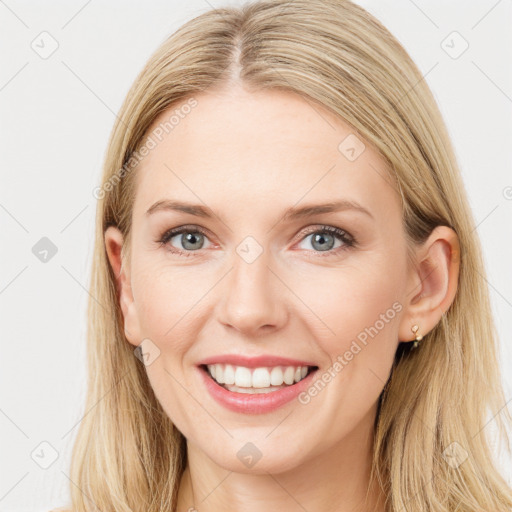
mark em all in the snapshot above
pixel 262 283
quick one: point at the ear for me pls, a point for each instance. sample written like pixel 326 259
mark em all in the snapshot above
pixel 118 261
pixel 432 283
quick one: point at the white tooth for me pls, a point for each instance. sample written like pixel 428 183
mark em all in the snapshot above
pixel 229 374
pixel 297 374
pixel 304 371
pixel 288 375
pixel 253 391
pixel 243 377
pixel 219 374
pixel 260 378
pixel 211 369
pixel 276 376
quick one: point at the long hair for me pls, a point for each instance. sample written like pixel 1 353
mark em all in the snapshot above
pixel 431 446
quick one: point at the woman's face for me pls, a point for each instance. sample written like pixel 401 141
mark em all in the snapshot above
pixel 245 279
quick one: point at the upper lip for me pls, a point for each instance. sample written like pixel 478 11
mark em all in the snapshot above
pixel 254 361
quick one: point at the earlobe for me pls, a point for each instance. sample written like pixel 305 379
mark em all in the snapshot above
pixel 114 244
pixel 433 285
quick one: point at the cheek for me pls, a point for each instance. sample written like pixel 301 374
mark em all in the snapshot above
pixel 165 313
pixel 357 309
pixel 166 301
pixel 170 388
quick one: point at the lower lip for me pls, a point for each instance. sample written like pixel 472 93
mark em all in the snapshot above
pixel 257 403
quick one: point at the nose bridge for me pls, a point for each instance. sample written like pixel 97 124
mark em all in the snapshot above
pixel 251 297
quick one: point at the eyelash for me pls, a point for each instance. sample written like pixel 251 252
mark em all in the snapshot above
pixel 348 240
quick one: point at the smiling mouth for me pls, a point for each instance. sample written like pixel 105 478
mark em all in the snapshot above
pixel 240 379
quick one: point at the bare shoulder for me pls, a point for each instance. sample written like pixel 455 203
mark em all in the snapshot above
pixel 61 509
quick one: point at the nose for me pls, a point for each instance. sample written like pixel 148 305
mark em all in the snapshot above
pixel 253 298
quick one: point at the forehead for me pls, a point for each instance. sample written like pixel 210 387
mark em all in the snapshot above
pixel 265 147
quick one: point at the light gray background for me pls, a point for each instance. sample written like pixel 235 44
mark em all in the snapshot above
pixel 56 114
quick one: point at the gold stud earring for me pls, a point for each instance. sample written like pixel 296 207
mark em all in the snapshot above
pixel 419 337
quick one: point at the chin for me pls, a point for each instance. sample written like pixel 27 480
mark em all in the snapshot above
pixel 260 458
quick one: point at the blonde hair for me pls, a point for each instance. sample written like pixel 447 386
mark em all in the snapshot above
pixel 128 455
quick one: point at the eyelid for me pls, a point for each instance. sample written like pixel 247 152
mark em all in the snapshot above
pixel 319 228
pixel 172 232
pixel 347 238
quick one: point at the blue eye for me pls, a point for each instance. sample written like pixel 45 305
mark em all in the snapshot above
pixel 325 238
pixel 192 240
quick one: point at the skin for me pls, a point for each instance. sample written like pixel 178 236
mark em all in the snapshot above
pixel 249 156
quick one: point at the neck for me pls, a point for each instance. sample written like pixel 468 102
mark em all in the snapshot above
pixel 336 480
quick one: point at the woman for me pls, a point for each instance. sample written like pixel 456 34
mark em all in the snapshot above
pixel 289 310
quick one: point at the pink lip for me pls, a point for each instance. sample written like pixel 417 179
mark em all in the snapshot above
pixel 254 403
pixel 254 362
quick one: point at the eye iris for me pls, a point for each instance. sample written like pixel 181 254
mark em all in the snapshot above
pixel 320 237
pixel 192 238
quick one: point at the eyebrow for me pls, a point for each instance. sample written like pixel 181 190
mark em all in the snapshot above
pixel 292 213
